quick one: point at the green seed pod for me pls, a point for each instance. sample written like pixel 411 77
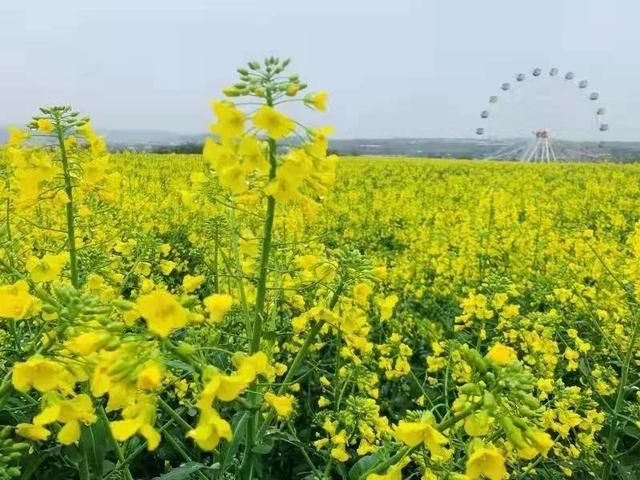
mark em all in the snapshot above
pixel 188 300
pixel 97 310
pixel 13 472
pixel 489 401
pixel 468 388
pixel 63 294
pixel 526 411
pixel 231 92
pixel 531 402
pixel 47 308
pixel 123 304
pixel 512 431
pixel 186 348
pixel 5 432
pixel 517 439
pixel 475 360
pixel 20 447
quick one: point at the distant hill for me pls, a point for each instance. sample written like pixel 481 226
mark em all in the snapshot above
pixel 167 141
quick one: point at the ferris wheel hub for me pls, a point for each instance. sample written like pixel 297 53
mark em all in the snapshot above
pixel 543 133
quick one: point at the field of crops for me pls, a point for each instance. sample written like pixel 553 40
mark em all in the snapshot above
pixel 251 313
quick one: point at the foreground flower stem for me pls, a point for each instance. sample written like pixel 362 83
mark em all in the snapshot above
pixel 266 248
pixel 183 453
pixel 612 441
pixel 300 356
pixel 247 464
pixel 237 268
pixel 122 462
pixel 68 188
pixel 624 378
pixel 8 213
pixel 185 426
pixel 302 353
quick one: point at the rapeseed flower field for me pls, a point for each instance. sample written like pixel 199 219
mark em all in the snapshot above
pixel 268 310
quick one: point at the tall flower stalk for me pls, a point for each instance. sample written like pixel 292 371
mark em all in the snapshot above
pixel 247 161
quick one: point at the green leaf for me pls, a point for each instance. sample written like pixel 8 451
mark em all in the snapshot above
pixel 183 472
pixel 180 365
pixel 93 442
pixel 364 465
pixel 263 448
pixel 228 450
pixel 632 431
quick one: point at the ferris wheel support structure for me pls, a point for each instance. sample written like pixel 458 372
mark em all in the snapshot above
pixel 541 150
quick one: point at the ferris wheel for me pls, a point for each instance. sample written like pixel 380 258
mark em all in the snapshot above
pixel 544 109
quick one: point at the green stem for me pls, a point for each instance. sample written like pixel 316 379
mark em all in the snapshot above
pixel 83 470
pixel 137 451
pixel 183 453
pixel 8 208
pixel 261 291
pixel 304 452
pixel 216 246
pixel 174 415
pixel 68 188
pixel 327 469
pixel 400 454
pixel 612 442
pixel 302 353
pixel 300 356
pixel 238 269
pixel 122 463
pixel 264 256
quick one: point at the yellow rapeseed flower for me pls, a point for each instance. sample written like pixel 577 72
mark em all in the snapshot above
pixel 210 430
pixel 37 433
pixel 45 125
pixel 282 404
pixel 162 312
pixel 318 100
pixel 71 413
pixel 276 124
pixel 218 305
pixel 16 302
pixel 486 461
pixel 48 268
pixel 230 120
pixel 42 374
pixel 192 282
pixel 423 431
pixel 502 354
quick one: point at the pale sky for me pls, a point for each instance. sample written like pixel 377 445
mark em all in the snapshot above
pixel 393 68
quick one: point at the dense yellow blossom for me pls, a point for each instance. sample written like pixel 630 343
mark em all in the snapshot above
pixel 365 317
